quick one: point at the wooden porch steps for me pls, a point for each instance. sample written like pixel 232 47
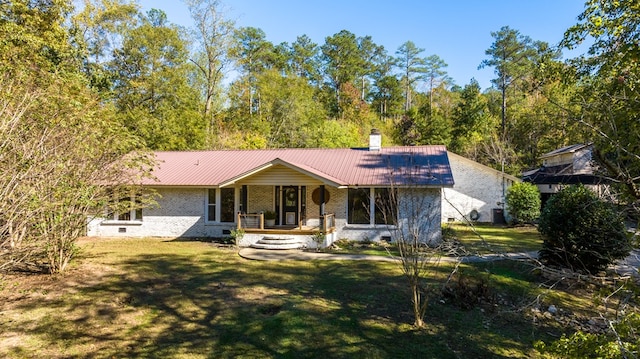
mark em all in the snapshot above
pixel 279 242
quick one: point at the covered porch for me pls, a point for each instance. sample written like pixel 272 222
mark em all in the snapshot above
pixel 255 223
pixel 281 199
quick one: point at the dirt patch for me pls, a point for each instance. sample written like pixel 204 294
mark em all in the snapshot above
pixel 33 305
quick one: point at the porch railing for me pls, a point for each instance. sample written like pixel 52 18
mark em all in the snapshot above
pixel 328 222
pixel 256 221
pixel 250 220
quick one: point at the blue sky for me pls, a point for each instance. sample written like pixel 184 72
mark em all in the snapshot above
pixel 458 31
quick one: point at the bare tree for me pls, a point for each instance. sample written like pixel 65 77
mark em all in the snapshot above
pixel 412 214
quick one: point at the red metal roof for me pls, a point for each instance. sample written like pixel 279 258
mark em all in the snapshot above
pixel 415 165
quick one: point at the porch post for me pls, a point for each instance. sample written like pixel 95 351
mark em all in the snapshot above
pixel 322 200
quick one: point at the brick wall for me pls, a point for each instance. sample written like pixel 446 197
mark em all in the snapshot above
pixel 179 213
pixel 260 198
pixel 430 211
pixel 477 187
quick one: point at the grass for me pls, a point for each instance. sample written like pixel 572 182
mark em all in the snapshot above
pixel 479 239
pixel 149 298
pixel 485 238
pixel 344 246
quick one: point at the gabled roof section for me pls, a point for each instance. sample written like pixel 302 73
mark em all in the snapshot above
pixel 563 150
pixel 458 157
pixel 426 166
pixel 311 172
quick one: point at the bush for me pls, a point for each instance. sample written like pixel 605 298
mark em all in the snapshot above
pixel 523 202
pixel 620 341
pixel 581 231
pixel 467 292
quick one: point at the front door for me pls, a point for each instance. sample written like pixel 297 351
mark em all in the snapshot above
pixel 290 205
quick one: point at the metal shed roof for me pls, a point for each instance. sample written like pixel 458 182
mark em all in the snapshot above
pixel 563 150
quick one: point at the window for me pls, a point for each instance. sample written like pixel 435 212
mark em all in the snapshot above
pixel 386 208
pixel 211 205
pixel 360 203
pixel 358 207
pixel 227 204
pixel 125 208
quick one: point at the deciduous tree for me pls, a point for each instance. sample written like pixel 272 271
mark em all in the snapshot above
pixel 152 89
pixel 33 35
pixel 609 78
pixel 413 219
pixel 61 151
pixel 213 36
pixel 98 29
pixel 289 108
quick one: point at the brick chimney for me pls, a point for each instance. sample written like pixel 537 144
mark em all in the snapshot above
pixel 375 140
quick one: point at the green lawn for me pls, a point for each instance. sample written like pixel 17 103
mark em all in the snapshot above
pixel 152 298
pixel 479 239
pixel 485 238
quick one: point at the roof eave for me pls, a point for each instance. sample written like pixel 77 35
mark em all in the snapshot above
pixel 251 172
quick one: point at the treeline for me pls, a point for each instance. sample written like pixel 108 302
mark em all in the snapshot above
pixel 173 87
pixel 216 85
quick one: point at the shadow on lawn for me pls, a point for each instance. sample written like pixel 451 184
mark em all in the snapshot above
pixel 213 306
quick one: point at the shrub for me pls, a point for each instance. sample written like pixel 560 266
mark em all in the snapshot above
pixel 237 235
pixel 620 341
pixel 581 231
pixel 523 202
pixel 318 239
pixel 468 291
pixel 270 214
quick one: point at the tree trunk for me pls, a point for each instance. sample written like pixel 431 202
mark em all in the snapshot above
pixel 504 107
pixel 417 306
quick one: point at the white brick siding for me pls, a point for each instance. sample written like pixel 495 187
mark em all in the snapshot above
pixel 179 213
pixel 477 187
pixel 429 218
